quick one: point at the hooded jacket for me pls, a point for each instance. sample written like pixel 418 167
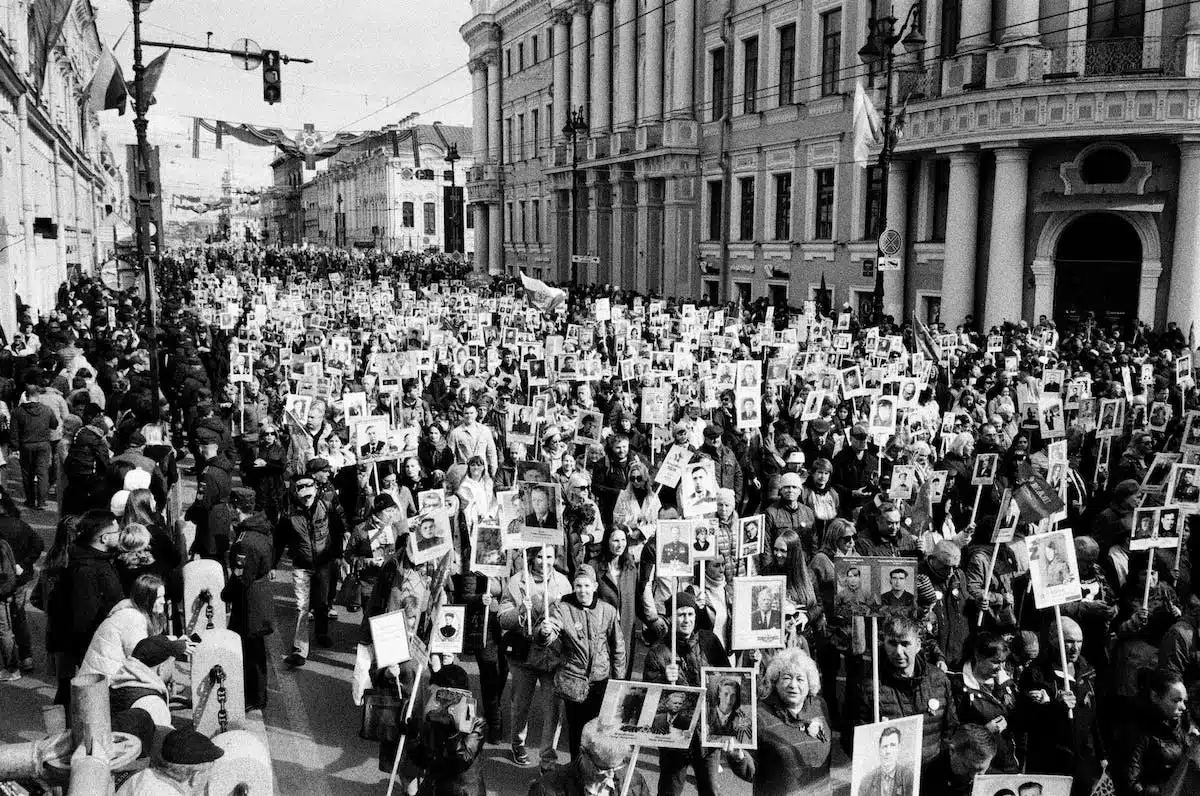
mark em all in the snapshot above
pixel 248 590
pixel 590 643
pixel 32 423
pixel 115 639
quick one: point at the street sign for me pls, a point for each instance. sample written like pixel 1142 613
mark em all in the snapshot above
pixel 247 52
pixel 888 263
pixel 585 259
pixel 891 242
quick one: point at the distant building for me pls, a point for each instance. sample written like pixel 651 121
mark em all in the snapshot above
pixel 1049 163
pixel 54 186
pixel 387 192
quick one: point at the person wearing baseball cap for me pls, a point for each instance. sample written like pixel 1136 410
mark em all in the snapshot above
pixel 183 766
pixel 593 651
pixel 248 591
pixel 855 466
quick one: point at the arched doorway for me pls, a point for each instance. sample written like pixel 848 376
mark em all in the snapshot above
pixel 1098 269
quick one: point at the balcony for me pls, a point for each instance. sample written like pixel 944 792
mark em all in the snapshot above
pixel 1147 56
pixel 484 182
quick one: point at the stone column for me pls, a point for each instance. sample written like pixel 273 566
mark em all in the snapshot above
pixel 493 106
pixel 652 92
pixel 641 250
pixel 495 228
pixel 579 57
pixel 479 113
pixel 975 29
pixel 894 299
pixel 680 245
pixel 482 241
pixel 1006 249
pixel 685 46
pixel 958 269
pixel 1020 22
pixel 562 73
pixel 625 95
pixel 601 116
pixel 1183 305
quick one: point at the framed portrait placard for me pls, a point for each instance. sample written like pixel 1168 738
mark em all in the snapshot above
pixel 888 752
pixel 729 708
pixel 651 714
pixel 447 635
pixel 758 612
pixel 1053 570
pixel 1021 785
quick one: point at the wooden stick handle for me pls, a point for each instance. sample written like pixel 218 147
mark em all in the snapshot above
pixel 633 760
pixel 975 508
pixel 1062 652
pixel 987 582
pixel 674 621
pixel 875 663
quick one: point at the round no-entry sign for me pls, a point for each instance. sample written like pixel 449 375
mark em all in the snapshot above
pixel 890 242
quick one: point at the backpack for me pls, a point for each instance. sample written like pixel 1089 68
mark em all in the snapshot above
pixel 8 571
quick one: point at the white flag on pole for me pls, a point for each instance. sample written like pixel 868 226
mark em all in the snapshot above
pixel 867 125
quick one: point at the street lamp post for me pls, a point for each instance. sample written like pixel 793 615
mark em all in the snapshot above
pixel 454 230
pixel 142 190
pixel 576 125
pixel 882 38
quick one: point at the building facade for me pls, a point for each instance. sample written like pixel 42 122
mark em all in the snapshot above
pixel 386 192
pixel 1046 164
pixel 54 188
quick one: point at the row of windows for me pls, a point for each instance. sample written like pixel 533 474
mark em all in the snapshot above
pixel 525 135
pixel 515 57
pixel 527 220
pixel 824 183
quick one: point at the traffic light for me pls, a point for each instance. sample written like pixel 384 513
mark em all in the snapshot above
pixel 272 77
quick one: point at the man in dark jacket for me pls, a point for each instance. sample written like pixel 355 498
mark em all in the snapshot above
pixel 248 593
pixel 92 579
pixel 32 424
pixel 728 469
pixel 211 512
pixel 611 475
pixel 908 686
pixel 27 547
pixel 87 463
pixel 696 648
pixel 312 530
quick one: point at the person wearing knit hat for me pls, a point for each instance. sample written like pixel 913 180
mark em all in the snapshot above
pixel 184 765
pixel 694 648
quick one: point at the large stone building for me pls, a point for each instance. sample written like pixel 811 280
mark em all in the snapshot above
pixel 57 181
pixel 386 192
pixel 1048 163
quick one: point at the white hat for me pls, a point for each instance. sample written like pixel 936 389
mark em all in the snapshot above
pixel 790 479
pixel 137 479
pixel 117 504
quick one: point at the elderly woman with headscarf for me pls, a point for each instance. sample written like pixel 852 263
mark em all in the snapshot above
pixel 794 736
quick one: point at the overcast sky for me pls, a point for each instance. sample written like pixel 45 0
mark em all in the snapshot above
pixel 367 55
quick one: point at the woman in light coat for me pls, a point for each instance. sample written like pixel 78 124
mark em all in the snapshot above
pixel 141 615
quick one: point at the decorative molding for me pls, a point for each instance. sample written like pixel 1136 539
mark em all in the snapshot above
pixel 1072 173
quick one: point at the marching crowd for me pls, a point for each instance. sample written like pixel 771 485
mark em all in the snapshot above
pixel 272 363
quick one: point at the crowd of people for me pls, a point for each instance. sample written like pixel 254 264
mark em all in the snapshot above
pixel 413 444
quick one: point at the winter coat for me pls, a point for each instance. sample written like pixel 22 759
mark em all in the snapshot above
pixel 979 704
pixel 951 626
pixel 728 470
pixel 590 643
pixel 136 685
pixel 698 650
pixel 1055 742
pixel 32 423
pixel 525 648
pixel 790 759
pixel 115 639
pixel 927 692
pixel 450 757
pixel 621 594
pixel 26 543
pixel 92 587
pixel 1150 750
pixel 780 518
pixel 641 515
pixel 314 535
pixel 248 590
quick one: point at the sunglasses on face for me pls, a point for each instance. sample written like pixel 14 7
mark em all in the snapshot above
pixel 792 617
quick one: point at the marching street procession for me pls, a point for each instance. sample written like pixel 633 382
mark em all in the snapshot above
pixel 614 543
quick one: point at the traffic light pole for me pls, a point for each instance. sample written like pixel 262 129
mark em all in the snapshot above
pixel 170 45
pixel 141 203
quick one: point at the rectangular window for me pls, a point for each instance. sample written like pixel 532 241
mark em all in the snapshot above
pixel 750 75
pixel 783 207
pixel 537 220
pixel 715 210
pixel 831 51
pixel 524 228
pixel 430 218
pixel 520 56
pixel 951 14
pixel 787 64
pixel 509 217
pixel 533 50
pixel 508 138
pixel 871 202
pixel 718 83
pixel 941 200
pixel 746 208
pixel 469 216
pixel 521 154
pixel 823 205
pixel 549 124
pixel 407 218
pixel 537 131
pixel 508 61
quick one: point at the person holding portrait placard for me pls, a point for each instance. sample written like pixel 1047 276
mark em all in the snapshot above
pixel 697 648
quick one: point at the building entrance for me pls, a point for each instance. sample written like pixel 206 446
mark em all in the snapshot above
pixel 1098 269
